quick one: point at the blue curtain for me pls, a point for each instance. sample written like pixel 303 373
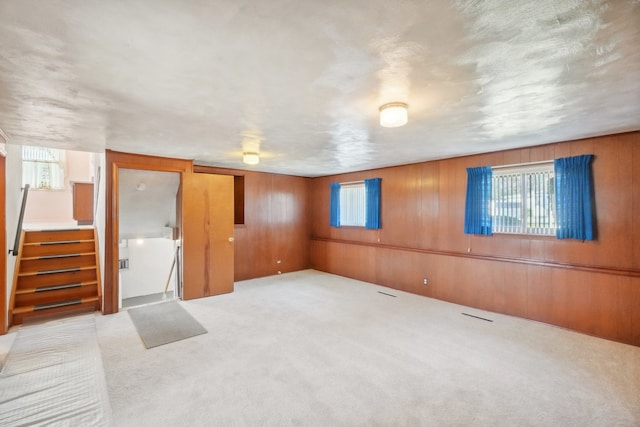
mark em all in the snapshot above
pixel 334 205
pixel 574 194
pixel 477 216
pixel 372 194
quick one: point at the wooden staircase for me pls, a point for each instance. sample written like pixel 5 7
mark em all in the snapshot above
pixel 57 273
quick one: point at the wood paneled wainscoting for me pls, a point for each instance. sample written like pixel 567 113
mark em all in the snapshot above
pixel 590 287
pixel 598 302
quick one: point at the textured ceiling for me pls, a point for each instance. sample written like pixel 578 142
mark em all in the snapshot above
pixel 304 79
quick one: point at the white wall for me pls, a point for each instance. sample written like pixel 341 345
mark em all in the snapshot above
pixel 56 206
pixel 14 198
pixel 149 266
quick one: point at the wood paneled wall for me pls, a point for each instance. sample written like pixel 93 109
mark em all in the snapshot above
pixel 276 223
pixel 276 219
pixel 591 287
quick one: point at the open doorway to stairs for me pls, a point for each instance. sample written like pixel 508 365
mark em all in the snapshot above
pixel 148 238
pixel 56 266
pixel 61 193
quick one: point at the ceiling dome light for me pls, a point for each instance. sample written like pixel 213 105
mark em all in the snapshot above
pixel 393 114
pixel 251 158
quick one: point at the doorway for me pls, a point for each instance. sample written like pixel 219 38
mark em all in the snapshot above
pixel 204 218
pixel 148 241
pixel 61 193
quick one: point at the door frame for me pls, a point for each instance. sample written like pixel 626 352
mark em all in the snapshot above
pixel 4 321
pixel 114 162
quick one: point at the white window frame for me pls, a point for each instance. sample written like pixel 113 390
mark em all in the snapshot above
pixel 43 168
pixel 544 207
pixel 353 204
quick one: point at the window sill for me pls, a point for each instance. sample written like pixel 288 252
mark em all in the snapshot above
pixel 525 235
pixel 356 227
pixel 58 190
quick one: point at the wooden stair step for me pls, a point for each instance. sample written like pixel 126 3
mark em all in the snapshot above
pixel 53 256
pixel 57 256
pixel 61 242
pixel 48 265
pixel 55 271
pixel 52 293
pixel 57 248
pixel 56 304
pixel 48 288
pixel 38 249
pixel 87 305
pixel 33 280
pixel 71 307
pixel 57 230
pixel 52 305
pixel 32 236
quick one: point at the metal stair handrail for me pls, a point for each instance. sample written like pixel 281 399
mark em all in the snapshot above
pixel 16 245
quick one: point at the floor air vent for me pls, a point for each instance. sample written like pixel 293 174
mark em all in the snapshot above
pixel 384 293
pixel 477 317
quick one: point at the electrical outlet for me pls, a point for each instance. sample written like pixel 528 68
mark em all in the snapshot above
pixel 425 281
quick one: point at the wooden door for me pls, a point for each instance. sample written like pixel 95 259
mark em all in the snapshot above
pixel 207 221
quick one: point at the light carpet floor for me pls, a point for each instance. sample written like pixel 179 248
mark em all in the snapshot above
pixel 313 349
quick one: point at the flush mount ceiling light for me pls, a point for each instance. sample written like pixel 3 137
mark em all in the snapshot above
pixel 251 157
pixel 393 114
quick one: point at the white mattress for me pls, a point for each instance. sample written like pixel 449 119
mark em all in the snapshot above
pixel 54 376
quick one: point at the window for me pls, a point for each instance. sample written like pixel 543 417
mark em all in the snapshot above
pixel 523 199
pixel 43 168
pixel 544 199
pixel 355 204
